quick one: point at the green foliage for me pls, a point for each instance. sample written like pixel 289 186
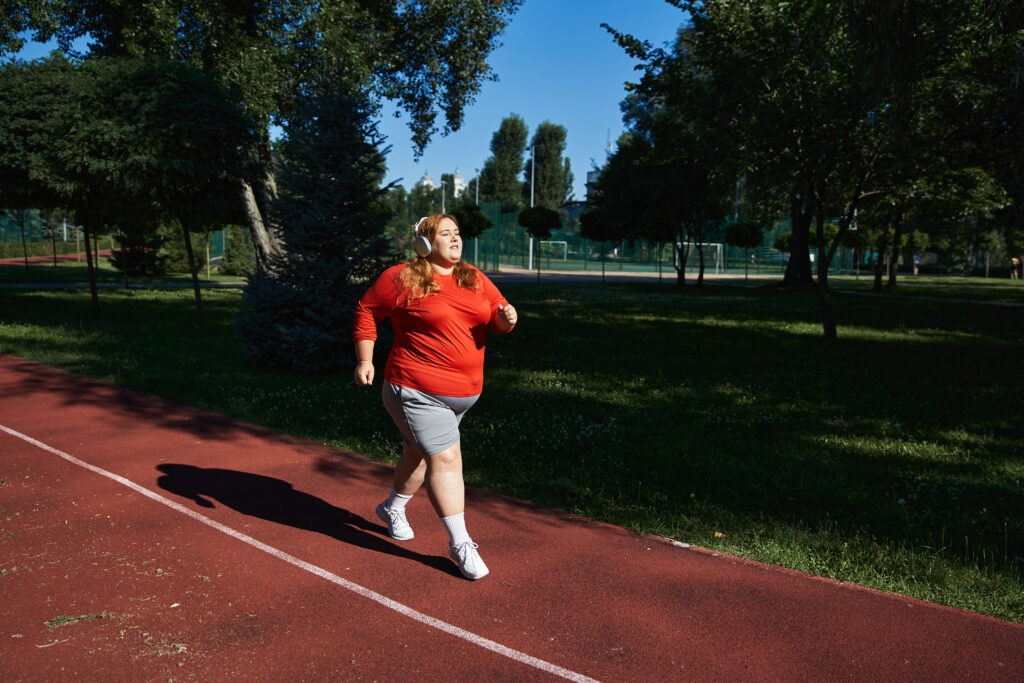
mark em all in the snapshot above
pixel 33 122
pixel 596 224
pixel 784 240
pixel 299 312
pixel 239 258
pixel 549 170
pixel 428 58
pixel 173 253
pixel 910 110
pixel 746 235
pixel 539 221
pixel 499 179
pixel 139 251
pixel 472 221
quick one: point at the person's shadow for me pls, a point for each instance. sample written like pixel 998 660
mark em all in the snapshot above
pixel 277 501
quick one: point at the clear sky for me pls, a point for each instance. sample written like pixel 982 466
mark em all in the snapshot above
pixel 555 63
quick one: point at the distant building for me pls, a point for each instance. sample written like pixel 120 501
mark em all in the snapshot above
pixel 592 178
pixel 459 184
pixel 427 182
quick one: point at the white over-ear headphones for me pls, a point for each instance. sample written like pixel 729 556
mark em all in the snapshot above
pixel 420 244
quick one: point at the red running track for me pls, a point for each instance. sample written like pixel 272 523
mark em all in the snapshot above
pixel 181 545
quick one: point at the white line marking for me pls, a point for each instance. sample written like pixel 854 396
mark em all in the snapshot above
pixel 405 611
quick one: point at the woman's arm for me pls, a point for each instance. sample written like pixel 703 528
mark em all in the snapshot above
pixel 364 363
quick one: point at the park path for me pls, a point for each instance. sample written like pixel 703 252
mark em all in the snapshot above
pixel 147 541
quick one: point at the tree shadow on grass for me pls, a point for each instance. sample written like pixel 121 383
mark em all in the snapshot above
pixel 275 500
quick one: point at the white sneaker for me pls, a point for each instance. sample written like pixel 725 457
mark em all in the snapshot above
pixel 398 525
pixel 469 561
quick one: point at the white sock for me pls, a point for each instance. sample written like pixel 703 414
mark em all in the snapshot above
pixel 456 526
pixel 396 501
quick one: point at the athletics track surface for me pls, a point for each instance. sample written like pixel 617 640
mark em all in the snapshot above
pixel 184 546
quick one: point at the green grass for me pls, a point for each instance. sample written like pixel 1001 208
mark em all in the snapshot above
pixel 992 290
pixel 716 416
pixel 65 620
pixel 77 273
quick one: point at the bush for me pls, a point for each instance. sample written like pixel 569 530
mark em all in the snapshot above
pixel 139 253
pixel 239 256
pixel 173 250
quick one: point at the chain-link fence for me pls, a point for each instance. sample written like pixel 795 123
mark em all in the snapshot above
pixel 509 244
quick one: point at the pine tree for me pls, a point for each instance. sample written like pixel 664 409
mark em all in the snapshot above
pixel 298 313
pixel 139 251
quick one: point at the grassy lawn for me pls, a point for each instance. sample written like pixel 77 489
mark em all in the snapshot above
pixel 717 416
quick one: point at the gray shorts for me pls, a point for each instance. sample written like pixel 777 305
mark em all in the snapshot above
pixel 428 422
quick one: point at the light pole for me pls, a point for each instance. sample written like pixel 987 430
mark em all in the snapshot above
pixel 442 196
pixel 477 186
pixel 533 168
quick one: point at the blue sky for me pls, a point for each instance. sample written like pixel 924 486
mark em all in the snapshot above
pixel 556 64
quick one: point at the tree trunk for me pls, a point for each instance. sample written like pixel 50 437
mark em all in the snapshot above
pixel 93 290
pixel 798 269
pixel 602 262
pixel 682 254
pixel 883 249
pixel 700 263
pixel 264 244
pixel 894 253
pixel 200 317
pixel 828 314
pixel 24 240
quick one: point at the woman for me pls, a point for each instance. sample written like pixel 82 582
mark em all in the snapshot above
pixel 441 309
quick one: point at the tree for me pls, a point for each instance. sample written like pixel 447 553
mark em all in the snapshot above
pixel 472 220
pixel 238 257
pixel 38 112
pixel 428 57
pixel 139 250
pixel 499 179
pixel 599 225
pixel 539 221
pixel 821 105
pixel 125 142
pixel 547 172
pixel 166 140
pixel 299 311
pixel 745 235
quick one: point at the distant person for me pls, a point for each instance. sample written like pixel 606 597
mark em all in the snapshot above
pixel 441 309
pixel 1015 265
pixel 1020 267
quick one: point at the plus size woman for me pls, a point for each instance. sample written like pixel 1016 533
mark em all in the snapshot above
pixel 441 310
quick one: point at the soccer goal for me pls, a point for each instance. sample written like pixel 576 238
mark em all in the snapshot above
pixel 714 256
pixel 554 246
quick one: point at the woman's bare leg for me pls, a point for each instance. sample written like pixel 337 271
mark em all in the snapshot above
pixel 445 485
pixel 410 470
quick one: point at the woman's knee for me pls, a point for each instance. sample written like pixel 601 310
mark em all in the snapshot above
pixel 448 459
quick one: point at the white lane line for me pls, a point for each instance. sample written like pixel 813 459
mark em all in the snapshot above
pixel 405 611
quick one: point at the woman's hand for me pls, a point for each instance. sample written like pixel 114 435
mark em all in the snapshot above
pixel 364 373
pixel 507 317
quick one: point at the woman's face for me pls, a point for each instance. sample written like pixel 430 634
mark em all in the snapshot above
pixel 447 246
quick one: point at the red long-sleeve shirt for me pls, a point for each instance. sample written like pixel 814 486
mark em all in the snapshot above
pixel 439 338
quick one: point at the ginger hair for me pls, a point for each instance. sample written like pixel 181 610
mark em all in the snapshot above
pixel 418 278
